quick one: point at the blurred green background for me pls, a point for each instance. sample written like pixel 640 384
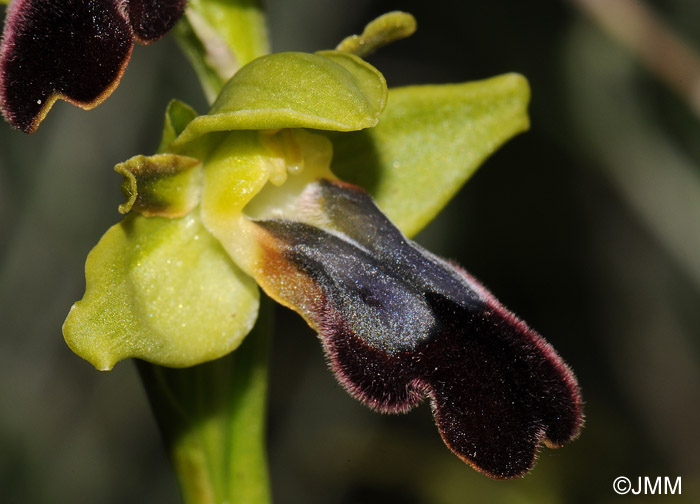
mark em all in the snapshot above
pixel 587 226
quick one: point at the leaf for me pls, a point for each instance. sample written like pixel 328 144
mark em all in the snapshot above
pixel 175 298
pixel 273 92
pixel 429 141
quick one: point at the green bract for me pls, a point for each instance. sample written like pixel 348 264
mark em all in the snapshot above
pixel 219 37
pixel 169 284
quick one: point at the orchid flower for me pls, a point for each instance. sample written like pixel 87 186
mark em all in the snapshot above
pixel 265 191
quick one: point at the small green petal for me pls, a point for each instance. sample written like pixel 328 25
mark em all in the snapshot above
pixel 384 30
pixel 162 290
pixel 164 185
pixel 429 141
pixel 328 91
pixel 177 116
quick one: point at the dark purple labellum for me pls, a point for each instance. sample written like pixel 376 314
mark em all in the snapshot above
pixel 151 19
pixel 399 324
pixel 75 50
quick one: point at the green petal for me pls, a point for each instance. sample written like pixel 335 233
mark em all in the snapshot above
pixel 429 141
pixel 384 30
pixel 162 290
pixel 177 116
pixel 164 185
pixel 328 91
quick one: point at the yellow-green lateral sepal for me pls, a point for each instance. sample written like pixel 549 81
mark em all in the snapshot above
pixel 164 185
pixel 429 141
pixel 331 90
pixel 162 290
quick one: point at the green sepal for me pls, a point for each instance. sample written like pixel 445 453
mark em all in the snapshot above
pixel 162 290
pixel 164 185
pixel 331 90
pixel 429 141
pixel 371 100
pixel 384 30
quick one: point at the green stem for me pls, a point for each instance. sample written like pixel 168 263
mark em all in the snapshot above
pixel 212 416
pixel 212 419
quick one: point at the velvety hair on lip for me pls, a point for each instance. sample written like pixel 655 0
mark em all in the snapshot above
pixel 75 50
pixel 399 324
